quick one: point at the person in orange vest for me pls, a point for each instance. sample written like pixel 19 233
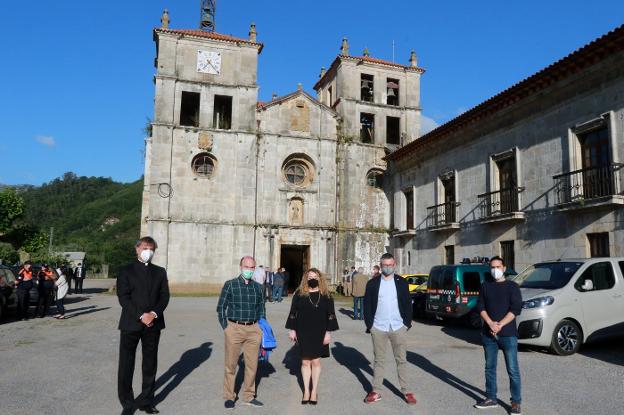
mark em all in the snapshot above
pixel 45 279
pixel 24 285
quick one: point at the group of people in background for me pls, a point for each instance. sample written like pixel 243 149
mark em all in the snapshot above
pixel 49 285
pixel 354 284
pixel 274 283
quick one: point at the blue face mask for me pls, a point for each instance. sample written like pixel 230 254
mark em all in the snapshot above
pixel 387 270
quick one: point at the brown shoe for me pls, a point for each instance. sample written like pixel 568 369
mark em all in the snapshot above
pixel 372 397
pixel 409 398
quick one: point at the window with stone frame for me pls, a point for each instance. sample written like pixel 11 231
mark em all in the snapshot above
pixel 367 91
pixel 298 170
pixel 189 109
pixel 374 178
pixel 393 130
pixel 367 128
pixel 204 165
pixel 392 92
pixel 222 115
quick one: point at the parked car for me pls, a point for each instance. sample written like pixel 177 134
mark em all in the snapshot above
pixel 418 290
pixel 453 290
pixel 8 296
pixel 569 302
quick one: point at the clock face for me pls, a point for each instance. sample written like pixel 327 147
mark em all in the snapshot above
pixel 209 62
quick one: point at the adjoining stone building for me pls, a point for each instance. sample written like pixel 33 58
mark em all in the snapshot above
pixel 532 174
pixel 296 182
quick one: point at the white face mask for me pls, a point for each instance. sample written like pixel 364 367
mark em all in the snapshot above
pixel 498 274
pixel 147 255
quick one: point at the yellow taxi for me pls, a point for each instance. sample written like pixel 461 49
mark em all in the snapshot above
pixel 417 282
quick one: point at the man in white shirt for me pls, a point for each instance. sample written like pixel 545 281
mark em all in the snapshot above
pixel 388 316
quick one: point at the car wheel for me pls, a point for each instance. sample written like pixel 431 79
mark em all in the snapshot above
pixel 474 320
pixel 567 338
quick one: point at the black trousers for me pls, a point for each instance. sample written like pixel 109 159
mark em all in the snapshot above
pixel 23 299
pixel 45 297
pixel 78 285
pixel 128 342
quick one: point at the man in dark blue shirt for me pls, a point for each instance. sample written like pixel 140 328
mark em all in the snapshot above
pixel 499 303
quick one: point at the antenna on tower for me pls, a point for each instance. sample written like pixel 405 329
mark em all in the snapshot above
pixel 208 11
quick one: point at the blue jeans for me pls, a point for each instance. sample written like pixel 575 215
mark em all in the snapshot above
pixel 277 293
pixel 358 308
pixel 509 346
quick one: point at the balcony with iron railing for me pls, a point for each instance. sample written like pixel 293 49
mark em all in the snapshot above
pixel 590 187
pixel 442 216
pixel 501 205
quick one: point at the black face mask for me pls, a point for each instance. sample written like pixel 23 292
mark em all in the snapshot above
pixel 313 283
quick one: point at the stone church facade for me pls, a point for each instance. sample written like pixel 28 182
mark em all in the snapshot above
pixel 295 182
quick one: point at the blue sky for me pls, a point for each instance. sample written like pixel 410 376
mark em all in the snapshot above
pixel 78 74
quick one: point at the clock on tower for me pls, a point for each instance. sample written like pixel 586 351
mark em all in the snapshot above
pixel 209 62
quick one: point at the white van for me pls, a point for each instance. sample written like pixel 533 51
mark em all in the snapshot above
pixel 569 302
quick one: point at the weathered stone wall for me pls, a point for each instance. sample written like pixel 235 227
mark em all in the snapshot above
pixel 540 130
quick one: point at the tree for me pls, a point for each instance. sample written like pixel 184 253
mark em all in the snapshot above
pixel 11 208
pixel 8 255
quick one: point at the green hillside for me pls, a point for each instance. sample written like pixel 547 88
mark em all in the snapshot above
pixel 91 214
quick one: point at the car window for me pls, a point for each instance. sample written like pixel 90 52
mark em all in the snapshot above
pixel 548 275
pixel 472 281
pixel 600 274
pixel 621 263
pixel 434 279
pixel 448 280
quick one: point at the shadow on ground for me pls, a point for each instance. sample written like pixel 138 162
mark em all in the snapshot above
pixel 173 377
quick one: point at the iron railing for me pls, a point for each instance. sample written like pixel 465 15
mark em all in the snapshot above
pixel 588 184
pixel 443 214
pixel 500 202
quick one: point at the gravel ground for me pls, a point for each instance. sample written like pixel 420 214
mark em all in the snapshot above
pixel 69 367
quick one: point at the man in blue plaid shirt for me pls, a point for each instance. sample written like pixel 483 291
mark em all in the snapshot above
pixel 240 306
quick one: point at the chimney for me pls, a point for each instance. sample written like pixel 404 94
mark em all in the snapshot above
pixel 323 72
pixel 366 53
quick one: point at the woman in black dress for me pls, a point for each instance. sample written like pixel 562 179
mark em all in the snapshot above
pixel 310 320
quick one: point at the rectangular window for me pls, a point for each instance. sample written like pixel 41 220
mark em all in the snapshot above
pixel 189 109
pixel 367 128
pixel 392 92
pixel 449 254
pixel 507 185
pixel 393 130
pixel 222 116
pixel 367 88
pixel 598 178
pixel 472 281
pixel 598 244
pixel 409 209
pixel 448 187
pixel 508 254
pixel 330 96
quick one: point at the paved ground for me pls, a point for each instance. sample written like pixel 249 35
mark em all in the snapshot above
pixel 69 367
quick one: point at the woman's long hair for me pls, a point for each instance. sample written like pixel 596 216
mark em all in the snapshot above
pixel 304 289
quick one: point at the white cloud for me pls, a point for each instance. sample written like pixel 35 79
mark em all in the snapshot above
pixel 46 140
pixel 427 124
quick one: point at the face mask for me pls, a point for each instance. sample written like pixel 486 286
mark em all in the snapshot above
pixel 247 274
pixel 146 255
pixel 313 283
pixel 387 270
pixel 497 274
